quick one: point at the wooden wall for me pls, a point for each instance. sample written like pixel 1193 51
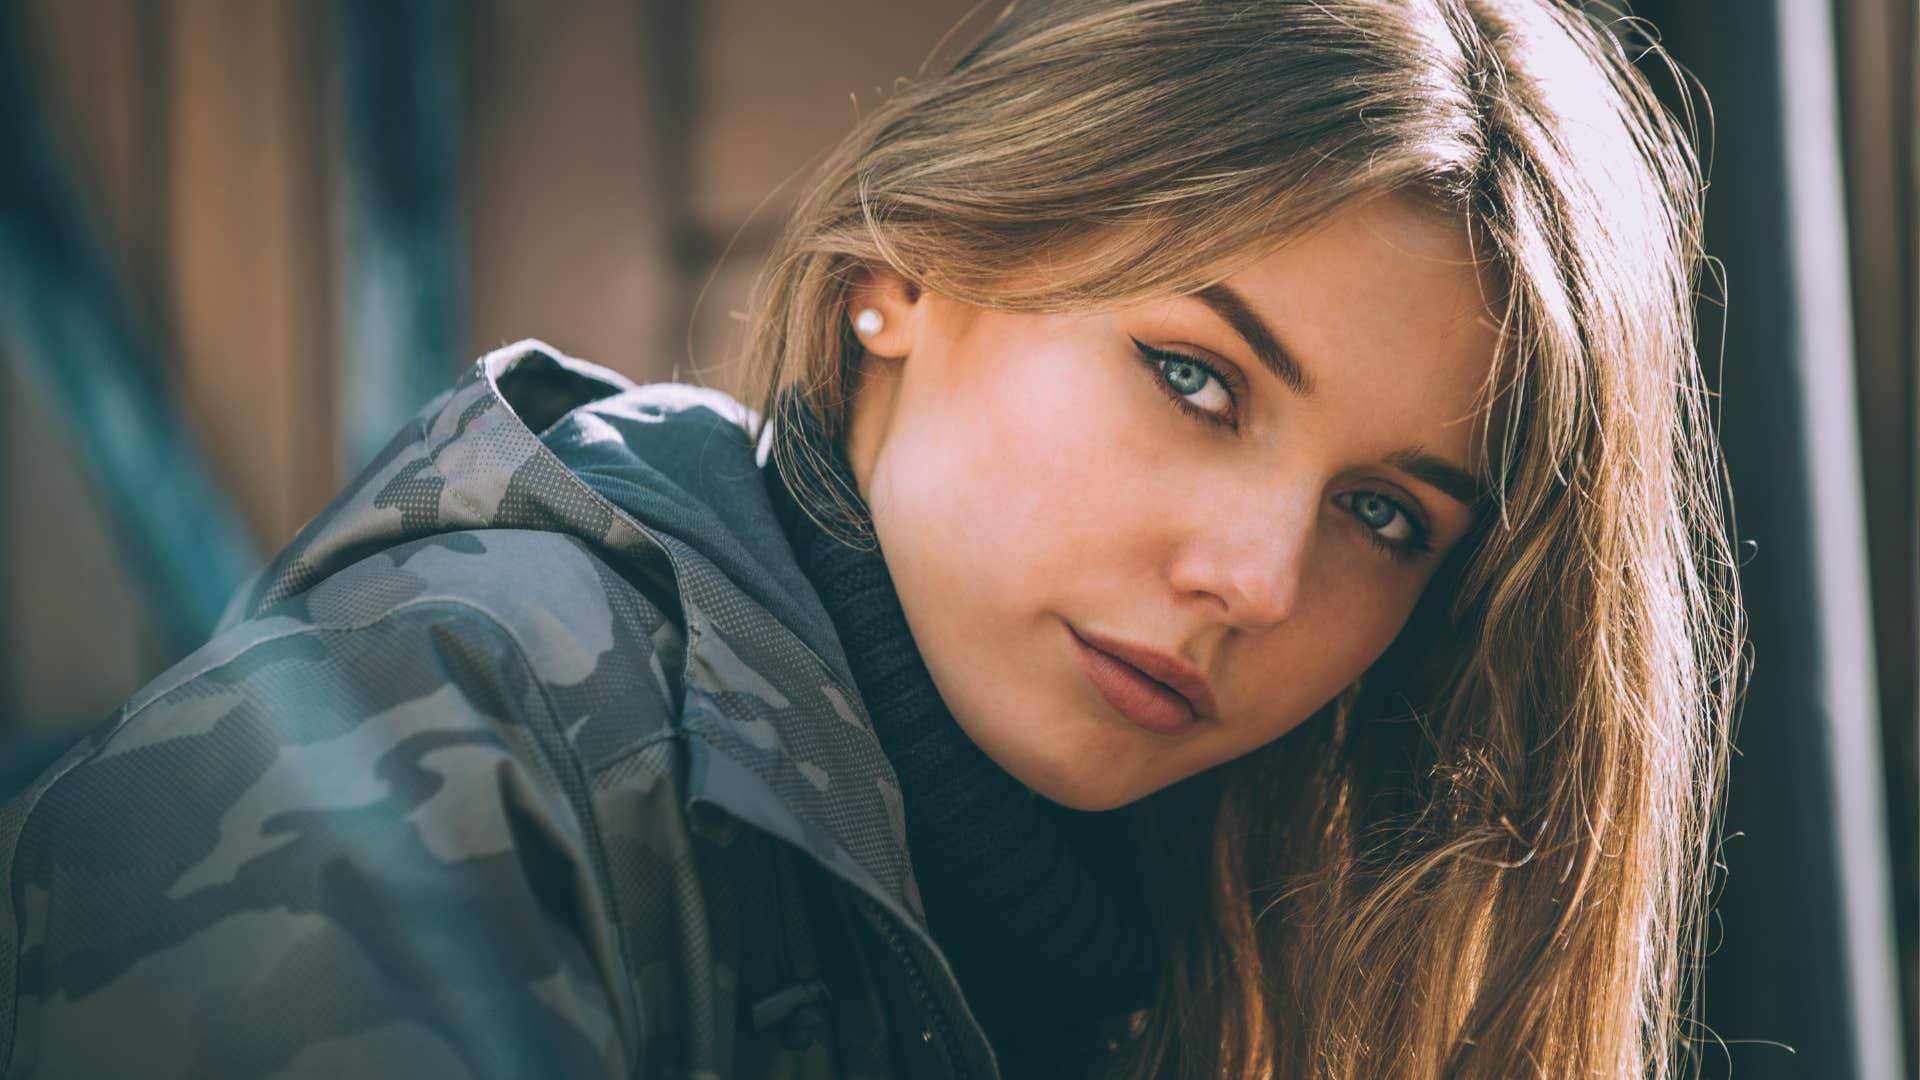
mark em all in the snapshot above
pixel 612 148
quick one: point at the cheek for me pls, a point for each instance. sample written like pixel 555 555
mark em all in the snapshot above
pixel 1346 620
pixel 1005 475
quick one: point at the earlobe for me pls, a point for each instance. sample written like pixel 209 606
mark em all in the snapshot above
pixel 880 307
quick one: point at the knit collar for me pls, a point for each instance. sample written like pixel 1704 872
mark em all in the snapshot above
pixel 1025 896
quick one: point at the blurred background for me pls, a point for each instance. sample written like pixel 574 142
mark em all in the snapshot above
pixel 242 240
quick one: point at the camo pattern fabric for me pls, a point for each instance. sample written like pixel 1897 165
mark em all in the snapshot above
pixel 493 771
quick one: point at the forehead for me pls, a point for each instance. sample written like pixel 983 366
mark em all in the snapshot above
pixel 1390 313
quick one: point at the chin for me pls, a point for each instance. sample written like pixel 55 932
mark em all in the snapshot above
pixel 1090 800
pixel 1077 785
pixel 1077 759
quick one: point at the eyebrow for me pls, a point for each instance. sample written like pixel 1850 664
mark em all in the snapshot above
pixel 1449 479
pixel 1232 307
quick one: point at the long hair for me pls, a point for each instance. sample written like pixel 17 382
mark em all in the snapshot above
pixel 1492 855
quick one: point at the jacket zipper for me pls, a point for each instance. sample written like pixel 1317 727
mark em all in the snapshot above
pixel 780 1006
pixel 917 983
pixel 782 956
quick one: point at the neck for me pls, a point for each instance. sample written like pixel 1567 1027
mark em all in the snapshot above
pixel 1033 927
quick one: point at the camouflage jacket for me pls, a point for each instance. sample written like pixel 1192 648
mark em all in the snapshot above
pixel 534 754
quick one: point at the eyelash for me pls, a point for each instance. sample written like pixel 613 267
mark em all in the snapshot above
pixel 1413 548
pixel 1409 550
pixel 1156 359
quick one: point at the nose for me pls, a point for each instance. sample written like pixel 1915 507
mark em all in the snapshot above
pixel 1249 560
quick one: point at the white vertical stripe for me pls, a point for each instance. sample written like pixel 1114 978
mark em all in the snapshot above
pixel 1817 232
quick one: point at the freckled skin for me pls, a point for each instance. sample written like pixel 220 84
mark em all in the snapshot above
pixel 1026 472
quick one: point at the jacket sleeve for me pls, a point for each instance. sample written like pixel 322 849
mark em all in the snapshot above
pixel 343 850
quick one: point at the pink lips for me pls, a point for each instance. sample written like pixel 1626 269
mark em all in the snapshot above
pixel 1155 691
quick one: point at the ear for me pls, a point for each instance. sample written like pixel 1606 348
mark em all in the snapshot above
pixel 897 301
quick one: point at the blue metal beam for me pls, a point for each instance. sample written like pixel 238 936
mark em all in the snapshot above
pixel 66 318
pixel 400 274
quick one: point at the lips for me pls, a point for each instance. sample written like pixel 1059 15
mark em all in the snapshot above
pixel 1157 692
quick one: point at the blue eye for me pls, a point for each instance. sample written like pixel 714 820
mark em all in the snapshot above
pixel 1185 376
pixel 1194 386
pixel 1392 527
pixel 1377 511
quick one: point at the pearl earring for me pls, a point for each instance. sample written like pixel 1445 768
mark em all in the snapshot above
pixel 868 322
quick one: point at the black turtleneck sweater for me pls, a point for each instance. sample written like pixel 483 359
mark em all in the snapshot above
pixel 1032 902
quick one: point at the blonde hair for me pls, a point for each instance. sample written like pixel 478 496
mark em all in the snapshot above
pixel 1492 855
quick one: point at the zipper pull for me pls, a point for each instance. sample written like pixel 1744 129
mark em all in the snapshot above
pixel 800 1010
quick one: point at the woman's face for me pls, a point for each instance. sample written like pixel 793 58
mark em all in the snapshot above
pixel 1254 483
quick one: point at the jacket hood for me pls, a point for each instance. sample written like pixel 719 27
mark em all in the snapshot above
pixel 664 483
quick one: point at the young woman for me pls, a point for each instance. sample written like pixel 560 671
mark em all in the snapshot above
pixel 1228 578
